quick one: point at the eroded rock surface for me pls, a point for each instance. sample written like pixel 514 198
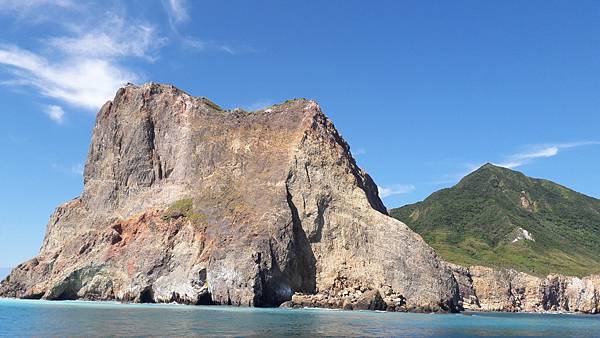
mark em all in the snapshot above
pixel 186 202
pixel 486 289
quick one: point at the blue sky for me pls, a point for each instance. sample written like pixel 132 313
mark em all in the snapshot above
pixel 424 91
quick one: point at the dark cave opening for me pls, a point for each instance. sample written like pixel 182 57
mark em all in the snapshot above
pixel 147 295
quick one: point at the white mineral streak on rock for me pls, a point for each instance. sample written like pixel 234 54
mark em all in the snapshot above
pixel 523 234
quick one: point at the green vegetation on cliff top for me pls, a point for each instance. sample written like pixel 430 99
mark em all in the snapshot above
pixel 185 209
pixel 501 218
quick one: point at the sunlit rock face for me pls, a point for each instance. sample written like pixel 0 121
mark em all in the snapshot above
pixel 486 289
pixel 186 202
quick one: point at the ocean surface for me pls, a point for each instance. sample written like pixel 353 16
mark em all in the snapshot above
pixel 78 318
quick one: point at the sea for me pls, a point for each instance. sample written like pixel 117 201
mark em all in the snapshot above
pixel 40 318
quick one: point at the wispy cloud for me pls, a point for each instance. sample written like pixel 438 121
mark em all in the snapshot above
pixel 116 38
pixel 77 169
pixel 464 170
pixel 258 105
pixel 197 44
pixel 395 190
pixel 80 81
pixel 27 5
pixel 91 55
pixel 359 152
pixel 527 155
pixel 540 151
pixel 55 113
pixel 38 11
pixel 71 170
pixel 85 66
pixel 12 138
pixel 177 11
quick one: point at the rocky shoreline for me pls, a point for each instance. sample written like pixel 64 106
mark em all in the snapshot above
pixel 485 289
pixel 481 289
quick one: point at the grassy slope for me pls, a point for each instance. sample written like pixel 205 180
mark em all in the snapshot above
pixel 475 222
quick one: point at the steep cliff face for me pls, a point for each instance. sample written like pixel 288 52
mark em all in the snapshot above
pixel 486 289
pixel 186 202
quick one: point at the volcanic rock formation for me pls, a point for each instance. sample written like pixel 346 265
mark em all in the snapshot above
pixel 184 201
pixel 486 289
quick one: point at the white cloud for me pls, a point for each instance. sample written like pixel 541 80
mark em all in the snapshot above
pixel 85 67
pixel 177 14
pixel 55 113
pixel 80 81
pixel 177 11
pixel 202 45
pixel 77 169
pixel 91 59
pixel 395 190
pixel 39 11
pixel 258 105
pixel 540 151
pixel 116 38
pixel 26 5
pixel 359 152
pixel 519 159
pixel 71 170
pixel 227 49
pixel 577 144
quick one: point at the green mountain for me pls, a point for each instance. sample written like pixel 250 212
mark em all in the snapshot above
pixel 501 218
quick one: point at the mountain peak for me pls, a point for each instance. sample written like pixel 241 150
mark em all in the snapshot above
pixel 477 221
pixel 490 167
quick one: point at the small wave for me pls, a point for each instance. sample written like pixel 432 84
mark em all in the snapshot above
pixel 320 308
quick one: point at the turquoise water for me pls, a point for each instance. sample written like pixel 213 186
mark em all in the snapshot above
pixel 74 318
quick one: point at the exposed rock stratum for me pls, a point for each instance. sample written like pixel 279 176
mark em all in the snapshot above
pixel 485 289
pixel 184 201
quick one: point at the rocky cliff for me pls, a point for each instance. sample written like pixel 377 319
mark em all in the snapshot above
pixel 186 202
pixel 486 289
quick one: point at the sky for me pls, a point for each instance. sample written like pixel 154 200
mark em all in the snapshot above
pixel 424 91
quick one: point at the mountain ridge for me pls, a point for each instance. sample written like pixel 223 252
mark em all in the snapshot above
pixel 501 218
